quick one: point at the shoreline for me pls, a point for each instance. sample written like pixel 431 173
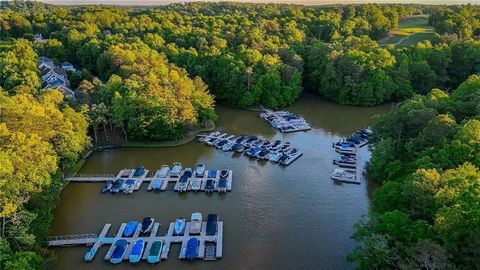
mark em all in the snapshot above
pixel 69 172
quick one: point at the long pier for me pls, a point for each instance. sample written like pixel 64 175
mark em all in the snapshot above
pixel 126 174
pixel 211 244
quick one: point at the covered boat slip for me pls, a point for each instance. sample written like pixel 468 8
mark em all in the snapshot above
pixel 285 121
pixel 206 243
pixel 348 168
pixel 156 183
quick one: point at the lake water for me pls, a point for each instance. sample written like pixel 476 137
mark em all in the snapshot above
pixel 276 217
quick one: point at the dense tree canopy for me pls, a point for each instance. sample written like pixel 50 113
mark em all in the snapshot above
pixel 155 73
pixel 426 212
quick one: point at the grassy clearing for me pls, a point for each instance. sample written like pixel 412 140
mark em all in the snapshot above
pixel 411 30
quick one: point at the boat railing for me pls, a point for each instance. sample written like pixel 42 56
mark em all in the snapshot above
pixel 95 175
pixel 73 239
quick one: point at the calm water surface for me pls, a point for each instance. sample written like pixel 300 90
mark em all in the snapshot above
pixel 276 217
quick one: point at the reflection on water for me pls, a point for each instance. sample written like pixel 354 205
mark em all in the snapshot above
pixel 275 217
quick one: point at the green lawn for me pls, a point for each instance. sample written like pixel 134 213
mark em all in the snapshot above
pixel 411 30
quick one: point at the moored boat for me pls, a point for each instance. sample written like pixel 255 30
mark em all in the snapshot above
pixel 130 228
pixel 212 221
pixel 192 249
pixel 212 173
pixel 200 171
pixel 222 185
pixel 137 251
pixel 344 175
pixel 210 185
pixel 196 185
pixel 163 172
pixel 155 252
pixel 176 169
pixel 107 187
pixel 224 173
pixel 179 228
pixel 139 171
pixel 183 182
pixel 196 223
pixel 117 185
pixel 128 186
pixel 90 254
pixel 147 224
pixel 157 184
pixel 119 251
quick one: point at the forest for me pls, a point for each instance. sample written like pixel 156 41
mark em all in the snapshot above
pixel 154 74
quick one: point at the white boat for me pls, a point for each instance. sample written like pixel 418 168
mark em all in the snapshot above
pixel 196 185
pixel 275 156
pixel 163 172
pixel 196 223
pixel 200 171
pixel 343 175
pixel 176 169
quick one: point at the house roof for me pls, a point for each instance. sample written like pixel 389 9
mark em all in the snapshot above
pixel 66 64
pixel 44 59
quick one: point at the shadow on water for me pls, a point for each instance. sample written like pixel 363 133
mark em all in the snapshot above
pixel 276 217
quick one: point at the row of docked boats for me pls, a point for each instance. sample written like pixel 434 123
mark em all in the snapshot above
pixel 214 180
pixel 285 121
pixel 126 182
pixel 196 222
pixel 154 253
pixel 196 177
pixel 346 169
pixel 252 146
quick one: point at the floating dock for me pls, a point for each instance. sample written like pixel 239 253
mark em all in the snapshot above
pixel 210 246
pixel 253 147
pixel 284 121
pixel 126 174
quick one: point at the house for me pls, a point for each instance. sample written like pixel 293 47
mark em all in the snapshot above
pixel 66 91
pixel 46 62
pixel 68 67
pixel 55 77
pixel 56 74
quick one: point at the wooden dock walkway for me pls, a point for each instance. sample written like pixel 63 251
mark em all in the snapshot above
pixel 164 181
pixel 206 242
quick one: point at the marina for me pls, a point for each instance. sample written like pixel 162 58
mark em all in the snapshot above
pixel 138 246
pixel 276 151
pixel 264 200
pixel 129 180
pixel 285 121
pixel 347 168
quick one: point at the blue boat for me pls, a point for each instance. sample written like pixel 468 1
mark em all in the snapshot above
pixel 222 185
pixel 117 185
pixel 119 251
pixel 137 251
pixel 107 187
pixel 90 254
pixel 212 173
pixel 157 184
pixel 128 186
pixel 192 249
pixel 179 226
pixel 139 171
pixel 155 252
pixel 210 185
pixel 130 228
